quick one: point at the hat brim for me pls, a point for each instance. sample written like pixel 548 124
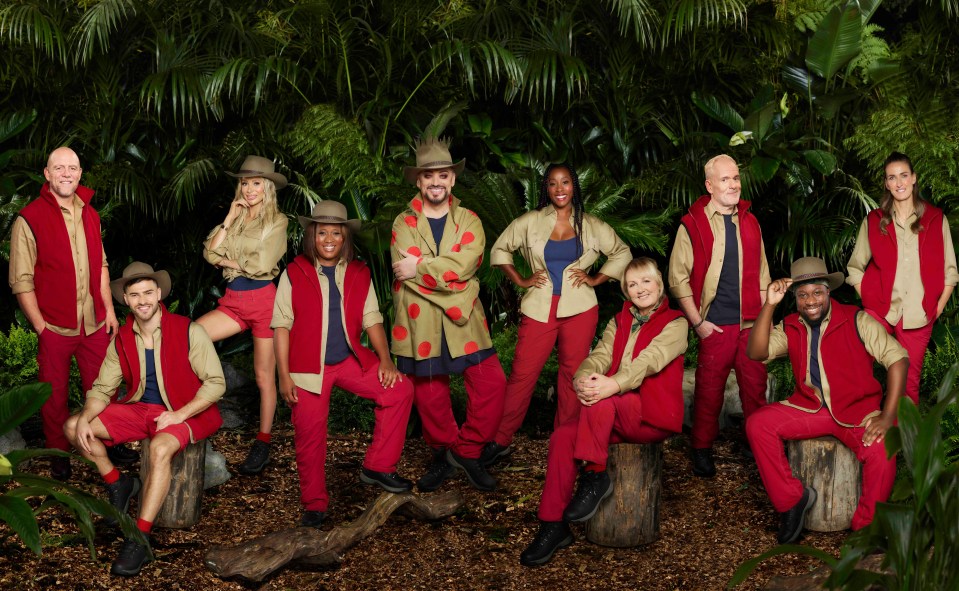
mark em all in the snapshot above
pixel 162 279
pixel 278 179
pixel 411 172
pixel 353 225
pixel 833 280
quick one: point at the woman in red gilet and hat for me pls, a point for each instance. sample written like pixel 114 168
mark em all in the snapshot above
pixel 324 302
pixel 248 246
pixel 904 264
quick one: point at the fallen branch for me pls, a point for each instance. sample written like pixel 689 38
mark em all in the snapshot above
pixel 256 559
pixel 814 580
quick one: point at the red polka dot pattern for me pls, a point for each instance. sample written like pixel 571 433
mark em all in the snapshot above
pixel 470 347
pixel 458 285
pixel 393 238
pixel 456 248
pixel 429 280
pixel 454 313
pixel 397 285
pixel 467 237
pixel 479 261
pixel 413 310
pixel 424 290
pixel 410 221
pixel 450 276
pixel 417 204
pixel 423 349
pixel 415 251
pixel 399 332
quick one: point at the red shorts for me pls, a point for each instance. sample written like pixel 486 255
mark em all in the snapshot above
pixel 251 309
pixel 136 421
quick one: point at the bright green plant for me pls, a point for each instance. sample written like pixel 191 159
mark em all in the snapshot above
pixel 918 531
pixel 20 487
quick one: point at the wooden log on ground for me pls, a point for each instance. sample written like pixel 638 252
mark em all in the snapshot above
pixel 256 559
pixel 181 509
pixel 833 470
pixel 814 580
pixel 630 516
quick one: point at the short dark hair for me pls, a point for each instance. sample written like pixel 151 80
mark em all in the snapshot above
pixel 136 280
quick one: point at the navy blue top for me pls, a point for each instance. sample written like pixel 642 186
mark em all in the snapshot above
pixel 725 308
pixel 814 376
pixel 247 284
pixel 559 254
pixel 336 348
pixel 151 392
pixel 445 364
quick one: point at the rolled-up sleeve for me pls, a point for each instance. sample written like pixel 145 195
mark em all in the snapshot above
pixel 206 365
pixel 860 257
pixel 778 345
pixel 681 265
pixel 879 343
pixel 283 304
pixel 371 309
pixel 512 238
pixel 110 376
pixel 23 257
pixel 952 276
pixel 617 252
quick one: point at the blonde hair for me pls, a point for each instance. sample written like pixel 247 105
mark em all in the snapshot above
pixel 646 267
pixel 268 212
pixel 711 163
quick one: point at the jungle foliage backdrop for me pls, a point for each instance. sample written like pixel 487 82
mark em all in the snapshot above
pixel 159 97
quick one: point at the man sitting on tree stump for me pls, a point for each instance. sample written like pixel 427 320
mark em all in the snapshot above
pixel 831 347
pixel 173 379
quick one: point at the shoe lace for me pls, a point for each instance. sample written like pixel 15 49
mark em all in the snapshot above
pixel 128 550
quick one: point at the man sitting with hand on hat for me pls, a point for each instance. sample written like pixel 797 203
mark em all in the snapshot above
pixel 173 379
pixel 831 347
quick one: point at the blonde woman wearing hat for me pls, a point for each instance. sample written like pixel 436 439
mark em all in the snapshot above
pixel 904 264
pixel 248 246
pixel 326 288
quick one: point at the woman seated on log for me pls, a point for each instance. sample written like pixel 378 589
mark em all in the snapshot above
pixel 248 246
pixel 325 288
pixel 631 390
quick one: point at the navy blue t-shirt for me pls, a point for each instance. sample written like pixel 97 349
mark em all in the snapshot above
pixel 151 392
pixel 336 348
pixel 725 307
pixel 559 254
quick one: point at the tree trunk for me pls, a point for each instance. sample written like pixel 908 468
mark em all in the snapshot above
pixel 256 559
pixel 833 470
pixel 630 517
pixel 181 509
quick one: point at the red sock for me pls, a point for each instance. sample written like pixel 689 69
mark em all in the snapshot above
pixel 144 525
pixel 591 467
pixel 264 437
pixel 112 476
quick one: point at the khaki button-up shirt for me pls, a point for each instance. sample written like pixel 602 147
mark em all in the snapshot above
pixel 681 263
pixel 907 289
pixel 23 261
pixel 283 318
pixel 203 360
pixel 883 348
pixel 529 234
pixel 665 347
pixel 257 249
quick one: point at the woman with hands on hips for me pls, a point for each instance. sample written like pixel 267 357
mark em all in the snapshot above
pixel 560 241
pixel 248 246
pixel 325 301
pixel 630 390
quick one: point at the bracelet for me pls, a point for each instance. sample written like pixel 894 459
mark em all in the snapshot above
pixel 698 324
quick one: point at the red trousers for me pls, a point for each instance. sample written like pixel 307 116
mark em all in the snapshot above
pixel 53 356
pixel 617 419
pixel 534 344
pixel 769 426
pixel 914 341
pixel 485 390
pixel 719 353
pixel 311 411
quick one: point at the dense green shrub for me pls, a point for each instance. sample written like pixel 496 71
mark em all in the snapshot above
pixel 18 363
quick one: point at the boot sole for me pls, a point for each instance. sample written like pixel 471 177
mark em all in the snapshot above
pixel 121 572
pixel 451 459
pixel 589 516
pixel 391 489
pixel 541 561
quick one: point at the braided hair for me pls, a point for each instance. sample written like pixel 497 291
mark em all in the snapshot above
pixel 578 211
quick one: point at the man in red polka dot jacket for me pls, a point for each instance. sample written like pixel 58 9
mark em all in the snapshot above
pixel 440 327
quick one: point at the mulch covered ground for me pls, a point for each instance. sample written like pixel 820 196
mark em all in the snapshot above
pixel 708 527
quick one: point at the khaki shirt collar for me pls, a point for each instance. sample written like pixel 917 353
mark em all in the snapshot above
pixel 549 210
pixel 136 325
pixel 712 210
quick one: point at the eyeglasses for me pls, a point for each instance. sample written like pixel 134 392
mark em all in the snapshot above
pixel 805 295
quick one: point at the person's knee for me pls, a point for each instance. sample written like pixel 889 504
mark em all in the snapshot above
pixel 70 428
pixel 162 449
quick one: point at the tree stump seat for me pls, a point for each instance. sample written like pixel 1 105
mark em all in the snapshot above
pixel 630 516
pixel 833 470
pixel 181 509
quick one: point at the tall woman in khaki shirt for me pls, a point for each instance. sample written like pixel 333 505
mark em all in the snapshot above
pixel 904 264
pixel 248 246
pixel 560 242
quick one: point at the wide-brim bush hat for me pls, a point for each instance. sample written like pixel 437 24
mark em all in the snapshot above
pixel 813 269
pixel 137 270
pixel 261 167
pixel 329 212
pixel 432 154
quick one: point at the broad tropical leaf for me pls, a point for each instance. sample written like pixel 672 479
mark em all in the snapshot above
pixel 837 40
